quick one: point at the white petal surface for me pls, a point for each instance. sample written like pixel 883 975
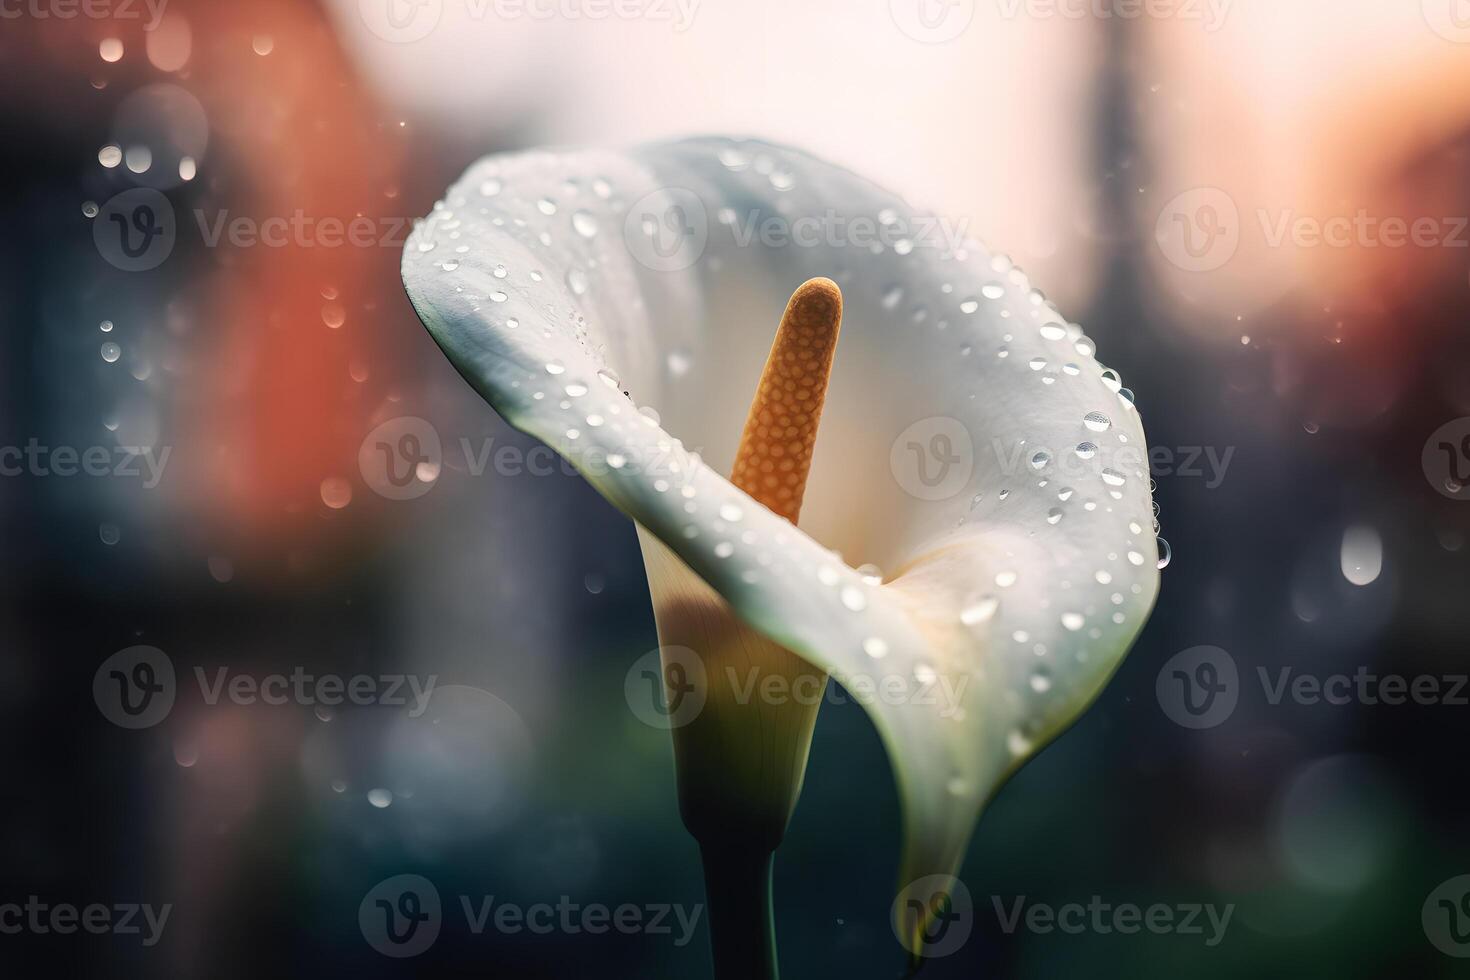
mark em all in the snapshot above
pixel 972 446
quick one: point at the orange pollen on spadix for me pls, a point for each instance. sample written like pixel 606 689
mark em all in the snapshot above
pixel 775 453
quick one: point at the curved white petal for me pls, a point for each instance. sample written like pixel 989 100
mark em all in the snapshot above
pixel 1017 577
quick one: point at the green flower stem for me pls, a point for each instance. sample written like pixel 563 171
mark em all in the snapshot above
pixel 737 883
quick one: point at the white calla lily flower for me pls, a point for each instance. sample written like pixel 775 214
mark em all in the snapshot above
pixel 619 305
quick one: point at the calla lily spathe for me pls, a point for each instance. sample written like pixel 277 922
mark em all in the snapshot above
pixel 619 306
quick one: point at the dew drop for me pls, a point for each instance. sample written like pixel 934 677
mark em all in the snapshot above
pixel 875 647
pixel 853 598
pixel 1165 553
pixel 1097 421
pixel 336 492
pixel 1362 554
pixel 111 352
pixel 979 611
pixel 1073 621
pixel 584 224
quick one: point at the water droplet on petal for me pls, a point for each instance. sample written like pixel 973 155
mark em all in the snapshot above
pixel 336 492
pixel 979 611
pixel 584 224
pixel 1362 554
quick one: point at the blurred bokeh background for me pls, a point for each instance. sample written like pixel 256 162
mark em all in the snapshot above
pixel 1256 208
